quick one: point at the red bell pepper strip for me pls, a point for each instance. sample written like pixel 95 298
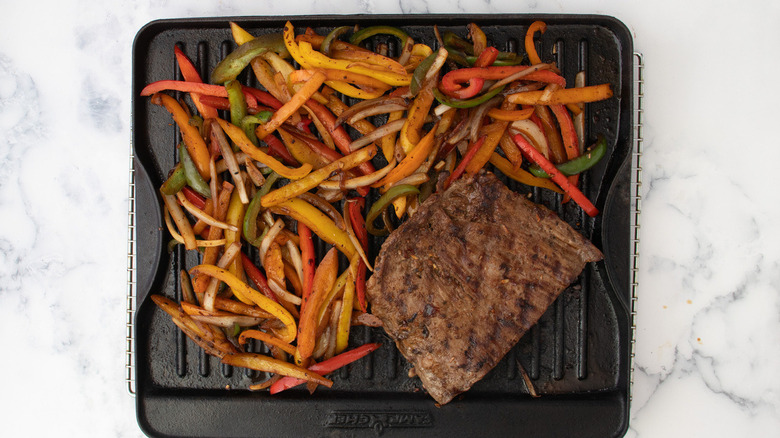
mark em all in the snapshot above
pixel 308 257
pixel 257 277
pixel 339 134
pixel 556 175
pixel 487 57
pixel 194 197
pixel 451 83
pixel 326 366
pixel 190 74
pixel 252 95
pixel 277 148
pixel 355 206
pixel 472 150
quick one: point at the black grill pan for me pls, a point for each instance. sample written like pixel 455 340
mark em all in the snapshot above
pixel 577 357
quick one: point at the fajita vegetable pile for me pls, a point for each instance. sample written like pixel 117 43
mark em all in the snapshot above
pixel 265 174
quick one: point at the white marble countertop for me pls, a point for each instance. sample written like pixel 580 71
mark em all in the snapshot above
pixel 708 337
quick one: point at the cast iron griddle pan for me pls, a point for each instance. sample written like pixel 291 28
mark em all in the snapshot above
pixel 578 355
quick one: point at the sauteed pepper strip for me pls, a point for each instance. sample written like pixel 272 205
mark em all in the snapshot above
pixel 195 144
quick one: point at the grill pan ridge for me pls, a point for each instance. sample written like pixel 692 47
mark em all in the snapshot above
pixel 577 356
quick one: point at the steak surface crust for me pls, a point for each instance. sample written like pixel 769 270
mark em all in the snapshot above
pixel 460 282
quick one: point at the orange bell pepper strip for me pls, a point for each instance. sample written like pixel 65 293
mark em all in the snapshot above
pixel 242 141
pixel 313 179
pixel 324 278
pixel 196 146
pixel 520 175
pixel 298 99
pixel 318 222
pixel 530 47
pixel 556 175
pixel 269 364
pixel 510 115
pixel 411 162
pixel 354 210
pixel 190 74
pixel 415 119
pixel 308 258
pixel 565 96
pixel 493 134
pixel 266 338
pixel 300 150
pixel 367 83
pixel 262 301
pixel 570 140
pixel 326 366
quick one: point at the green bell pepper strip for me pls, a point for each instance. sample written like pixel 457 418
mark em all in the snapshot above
pixel 176 180
pixel 238 109
pixel 593 155
pixel 385 200
pixel 253 209
pixel 419 73
pixel 191 173
pixel 450 39
pixel 230 67
pixel 333 35
pixel 467 103
pixel 370 31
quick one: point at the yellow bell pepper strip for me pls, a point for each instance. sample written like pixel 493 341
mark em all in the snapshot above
pixel 381 204
pixel 345 318
pixel 312 180
pixel 324 279
pixel 375 60
pixel 314 59
pixel 530 47
pixel 240 139
pixel 256 297
pixel 240 36
pixel 237 60
pixel 565 96
pixel 326 366
pixel 493 134
pixel 520 175
pixel 337 45
pixel 195 144
pixel 269 364
pixel 297 100
pixel 415 119
pixel 411 162
pixel 318 222
pixel 556 175
pixel 234 216
pixel 190 74
pixel 510 115
pixel 338 287
pixel 266 338
pixel 300 150
pixel 387 143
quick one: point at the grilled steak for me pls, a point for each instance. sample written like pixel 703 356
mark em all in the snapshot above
pixel 459 283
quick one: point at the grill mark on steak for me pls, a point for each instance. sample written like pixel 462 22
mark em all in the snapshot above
pixel 460 282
